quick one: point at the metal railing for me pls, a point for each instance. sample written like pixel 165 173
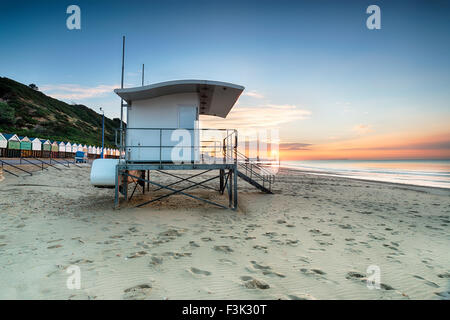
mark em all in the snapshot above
pixel 255 171
pixel 158 145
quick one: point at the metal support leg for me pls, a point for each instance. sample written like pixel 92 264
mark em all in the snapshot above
pixel 142 182
pixel 125 185
pixel 222 180
pixel 235 189
pixel 116 191
pixel 230 188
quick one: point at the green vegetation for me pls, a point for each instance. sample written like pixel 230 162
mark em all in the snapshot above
pixel 28 112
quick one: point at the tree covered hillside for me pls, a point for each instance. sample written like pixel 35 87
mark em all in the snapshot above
pixel 28 112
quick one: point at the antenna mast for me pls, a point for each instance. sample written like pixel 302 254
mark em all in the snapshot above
pixel 121 101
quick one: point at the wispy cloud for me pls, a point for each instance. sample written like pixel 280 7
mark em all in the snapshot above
pixel 75 91
pixel 294 146
pixel 253 94
pixel 362 128
pixel 268 116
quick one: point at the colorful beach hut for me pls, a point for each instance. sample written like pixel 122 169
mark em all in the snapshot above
pixel 61 147
pixel 13 141
pixel 68 147
pixel 36 144
pixel 55 146
pixel 25 143
pixel 74 148
pixel 3 142
pixel 3 145
pixel 36 147
pixel 46 145
pixel 55 149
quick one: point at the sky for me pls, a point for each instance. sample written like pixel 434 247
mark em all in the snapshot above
pixel 311 69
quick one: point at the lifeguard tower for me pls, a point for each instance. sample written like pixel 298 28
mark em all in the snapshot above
pixel 162 133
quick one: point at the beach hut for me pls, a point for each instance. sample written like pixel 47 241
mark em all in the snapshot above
pixel 36 147
pixel 85 149
pixel 55 149
pixel 3 141
pixel 55 146
pixel 25 143
pixel 25 146
pixel 3 145
pixel 36 144
pixel 162 133
pixel 158 109
pixel 13 147
pixel 80 147
pixel 99 150
pixel 61 147
pixel 74 148
pixel 13 141
pixel 46 145
pixel 68 147
pixel 90 148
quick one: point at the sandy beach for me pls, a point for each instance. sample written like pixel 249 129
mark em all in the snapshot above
pixel 314 238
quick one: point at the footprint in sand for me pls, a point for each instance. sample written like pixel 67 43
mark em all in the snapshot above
pixel 137 254
pixel 443 294
pixel 301 296
pixel 194 244
pixel 259 247
pixel 199 272
pixel 55 246
pixel 356 276
pixel 251 283
pixel 225 249
pixel 266 270
pixel 317 274
pixel 155 261
pixel 427 282
pixel 139 292
pixel 177 255
pixel 227 261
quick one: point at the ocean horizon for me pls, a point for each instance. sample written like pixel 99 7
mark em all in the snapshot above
pixel 427 173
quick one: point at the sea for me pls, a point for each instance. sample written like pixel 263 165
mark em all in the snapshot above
pixel 429 173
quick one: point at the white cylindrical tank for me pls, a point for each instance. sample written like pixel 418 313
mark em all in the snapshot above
pixel 103 172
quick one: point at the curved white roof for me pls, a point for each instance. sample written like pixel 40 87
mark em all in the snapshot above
pixel 216 98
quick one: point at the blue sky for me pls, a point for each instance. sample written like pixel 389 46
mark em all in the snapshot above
pixel 334 79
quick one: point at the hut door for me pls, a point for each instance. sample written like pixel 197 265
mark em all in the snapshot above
pixel 186 117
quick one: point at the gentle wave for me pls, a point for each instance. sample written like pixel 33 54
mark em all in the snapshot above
pixel 429 173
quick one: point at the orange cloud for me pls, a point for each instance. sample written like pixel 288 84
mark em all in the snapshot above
pixel 389 146
pixel 362 128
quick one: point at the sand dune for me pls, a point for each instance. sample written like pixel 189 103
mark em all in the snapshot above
pixel 313 239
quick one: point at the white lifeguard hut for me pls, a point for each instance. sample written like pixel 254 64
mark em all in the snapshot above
pixel 162 134
pixel 156 111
